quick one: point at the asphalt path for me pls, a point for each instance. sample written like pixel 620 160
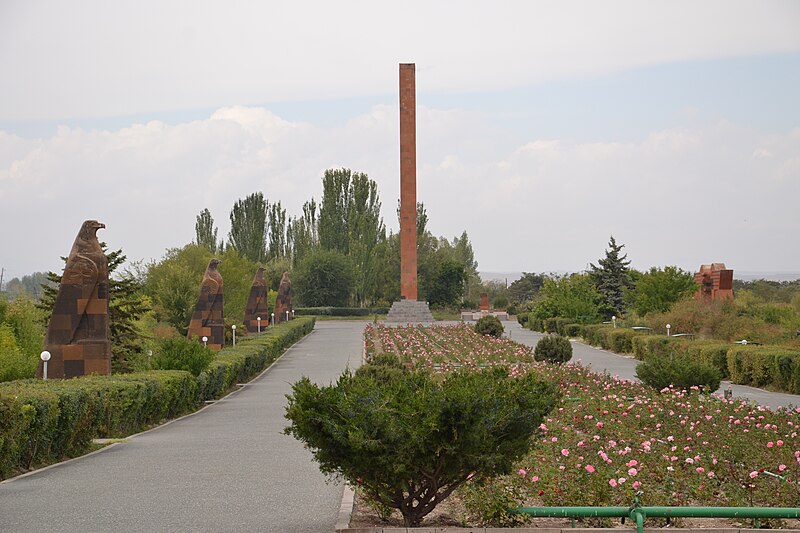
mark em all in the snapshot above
pixel 227 467
pixel 624 366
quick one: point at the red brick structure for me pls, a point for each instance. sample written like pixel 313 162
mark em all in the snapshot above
pixel 484 302
pixel 257 304
pixel 715 282
pixel 408 182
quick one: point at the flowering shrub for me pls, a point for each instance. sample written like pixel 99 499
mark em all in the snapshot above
pixel 609 438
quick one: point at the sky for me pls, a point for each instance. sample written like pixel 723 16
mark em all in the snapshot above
pixel 543 127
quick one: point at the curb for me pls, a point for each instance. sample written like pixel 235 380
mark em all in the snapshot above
pixel 550 530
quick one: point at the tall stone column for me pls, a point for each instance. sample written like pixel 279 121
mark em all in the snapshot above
pixel 408 182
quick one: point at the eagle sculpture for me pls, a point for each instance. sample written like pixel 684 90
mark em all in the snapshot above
pixel 283 303
pixel 207 319
pixel 78 333
pixel 257 304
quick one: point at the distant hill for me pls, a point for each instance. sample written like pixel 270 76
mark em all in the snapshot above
pixel 511 277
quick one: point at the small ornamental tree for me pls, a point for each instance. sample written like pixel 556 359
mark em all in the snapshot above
pixel 553 349
pixel 489 325
pixel 409 439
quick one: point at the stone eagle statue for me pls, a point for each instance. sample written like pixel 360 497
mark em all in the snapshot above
pixel 257 303
pixel 207 319
pixel 78 333
pixel 284 301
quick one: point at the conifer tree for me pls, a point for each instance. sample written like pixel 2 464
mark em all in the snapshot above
pixel 612 277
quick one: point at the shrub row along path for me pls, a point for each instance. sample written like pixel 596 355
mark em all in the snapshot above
pixel 225 468
pixel 625 367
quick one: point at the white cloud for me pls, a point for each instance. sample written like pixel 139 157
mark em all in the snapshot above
pixel 676 196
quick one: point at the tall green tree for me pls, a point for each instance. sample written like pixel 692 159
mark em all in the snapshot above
pixel 612 277
pixel 277 232
pixel 366 231
pixel 301 233
pixel 525 288
pixel 127 304
pixel 248 234
pixel 659 289
pixel 206 233
pixel 333 213
pixel 447 288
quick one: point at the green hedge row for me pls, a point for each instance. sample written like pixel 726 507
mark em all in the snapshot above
pixel 240 363
pixel 341 311
pixel 759 366
pixel 43 422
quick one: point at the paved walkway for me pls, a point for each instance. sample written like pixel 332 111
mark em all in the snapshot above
pixel 625 367
pixel 226 468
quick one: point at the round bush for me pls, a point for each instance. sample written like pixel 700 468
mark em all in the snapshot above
pixel 553 349
pixel 182 354
pixel 489 325
pixel 678 372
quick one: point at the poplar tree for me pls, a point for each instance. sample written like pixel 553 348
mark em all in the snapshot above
pixel 277 232
pixel 206 233
pixel 248 234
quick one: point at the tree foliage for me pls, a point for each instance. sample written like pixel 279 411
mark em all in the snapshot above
pixel 573 296
pixel 525 288
pixel 447 286
pixel 324 278
pixel 553 349
pixel 612 278
pixel 658 289
pixel 277 232
pixel 248 234
pixel 410 438
pixel 206 233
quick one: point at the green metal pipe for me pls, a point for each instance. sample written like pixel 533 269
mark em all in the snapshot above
pixel 639 513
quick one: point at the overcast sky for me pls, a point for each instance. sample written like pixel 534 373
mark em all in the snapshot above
pixel 542 127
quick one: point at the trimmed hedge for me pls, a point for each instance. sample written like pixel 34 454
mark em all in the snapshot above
pixel 42 422
pixel 765 365
pixel 340 311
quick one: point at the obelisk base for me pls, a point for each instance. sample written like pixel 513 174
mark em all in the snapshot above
pixel 410 312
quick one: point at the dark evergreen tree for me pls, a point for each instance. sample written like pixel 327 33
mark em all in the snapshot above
pixel 126 305
pixel 612 277
pixel 526 287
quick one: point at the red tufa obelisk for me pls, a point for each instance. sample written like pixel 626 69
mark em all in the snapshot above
pixel 408 182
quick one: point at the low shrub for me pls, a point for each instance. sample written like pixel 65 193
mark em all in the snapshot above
pixel 678 372
pixel 645 346
pixel 489 325
pixel 534 323
pixel 522 318
pixel 573 330
pixel 469 425
pixel 178 353
pixel 556 324
pixel 553 349
pixel 710 352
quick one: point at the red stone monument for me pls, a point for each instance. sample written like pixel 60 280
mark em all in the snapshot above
pixel 257 304
pixel 408 182
pixel 283 303
pixel 715 281
pixel 78 332
pixel 408 309
pixel 484 301
pixel 207 319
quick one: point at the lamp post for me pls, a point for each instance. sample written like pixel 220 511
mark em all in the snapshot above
pixel 205 341
pixel 273 318
pixel 287 315
pixel 233 328
pixel 614 321
pixel 258 319
pixel 668 326
pixel 45 356
pixel 293 319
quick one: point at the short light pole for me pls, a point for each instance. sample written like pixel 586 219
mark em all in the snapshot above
pixel 614 321
pixel 205 341
pixel 668 326
pixel 273 318
pixel 292 314
pixel 287 315
pixel 45 356
pixel 258 319
pixel 233 328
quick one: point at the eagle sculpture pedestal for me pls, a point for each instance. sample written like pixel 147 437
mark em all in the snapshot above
pixel 207 319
